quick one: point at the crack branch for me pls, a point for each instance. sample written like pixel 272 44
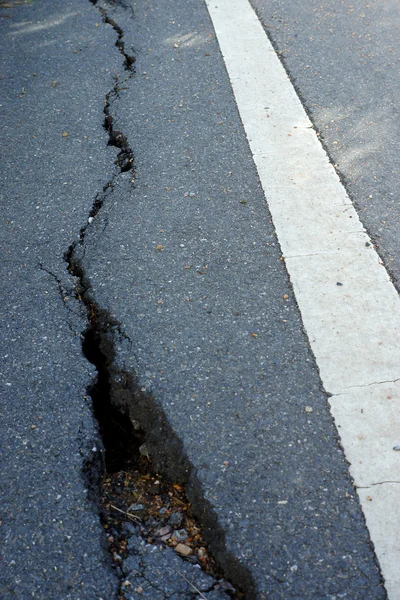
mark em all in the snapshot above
pixel 367 487
pixel 356 387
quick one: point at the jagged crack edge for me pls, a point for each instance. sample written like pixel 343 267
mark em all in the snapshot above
pixel 166 448
pixel 129 59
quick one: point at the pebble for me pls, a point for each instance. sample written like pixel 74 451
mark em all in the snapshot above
pixel 183 550
pixel 175 519
pixel 129 528
pixel 202 554
pixel 135 507
pixel 180 536
pixel 163 531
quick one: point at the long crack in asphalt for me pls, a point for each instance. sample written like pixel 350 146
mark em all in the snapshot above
pixel 156 543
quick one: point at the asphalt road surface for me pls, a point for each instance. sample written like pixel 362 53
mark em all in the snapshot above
pixel 136 231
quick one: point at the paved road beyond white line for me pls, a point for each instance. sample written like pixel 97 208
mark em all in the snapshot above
pixel 349 306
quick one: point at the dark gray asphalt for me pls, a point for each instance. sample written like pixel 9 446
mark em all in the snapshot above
pixel 213 361
pixel 344 59
pixel 52 542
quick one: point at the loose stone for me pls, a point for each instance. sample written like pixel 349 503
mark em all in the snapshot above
pixel 183 550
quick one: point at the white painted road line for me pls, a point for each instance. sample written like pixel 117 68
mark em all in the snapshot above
pixel 350 308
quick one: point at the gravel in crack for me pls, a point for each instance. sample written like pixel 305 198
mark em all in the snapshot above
pixel 155 542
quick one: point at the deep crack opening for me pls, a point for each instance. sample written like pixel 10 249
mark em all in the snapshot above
pixel 122 479
pixel 121 440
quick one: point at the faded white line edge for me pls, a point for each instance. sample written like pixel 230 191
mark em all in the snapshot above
pixel 349 306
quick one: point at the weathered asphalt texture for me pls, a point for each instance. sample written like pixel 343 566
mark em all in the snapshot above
pixel 344 59
pixel 213 362
pixel 56 68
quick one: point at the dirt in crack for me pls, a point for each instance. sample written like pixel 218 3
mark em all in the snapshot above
pixel 155 541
